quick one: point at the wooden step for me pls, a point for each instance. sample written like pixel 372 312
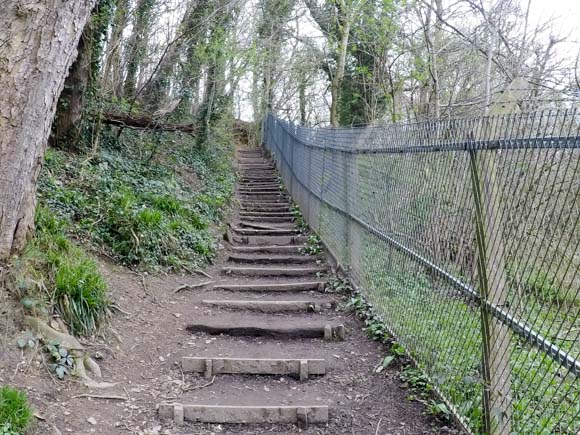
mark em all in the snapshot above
pixel 259 178
pixel 297 329
pixel 303 415
pixel 280 212
pixel 257 225
pixel 269 240
pixel 265 207
pixel 261 191
pixel 272 259
pixel 258 206
pixel 259 287
pixel 270 249
pixel 264 198
pixel 266 219
pixel 260 187
pixel 303 368
pixel 255 173
pixel 272 271
pixel 304 306
pixel 261 232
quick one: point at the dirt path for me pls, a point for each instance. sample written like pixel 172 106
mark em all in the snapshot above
pixel 278 310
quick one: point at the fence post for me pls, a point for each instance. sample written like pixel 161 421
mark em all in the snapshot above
pixel 491 274
pixel 346 181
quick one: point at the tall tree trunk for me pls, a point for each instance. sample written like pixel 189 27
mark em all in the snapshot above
pixel 339 73
pixel 38 43
pixel 71 102
pixel 112 79
pixel 137 45
pixel 302 99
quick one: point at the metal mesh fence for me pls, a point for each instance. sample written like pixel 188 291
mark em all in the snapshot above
pixel 464 236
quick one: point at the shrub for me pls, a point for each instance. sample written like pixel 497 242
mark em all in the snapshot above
pixel 15 413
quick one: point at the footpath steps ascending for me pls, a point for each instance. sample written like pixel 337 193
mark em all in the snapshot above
pixel 269 289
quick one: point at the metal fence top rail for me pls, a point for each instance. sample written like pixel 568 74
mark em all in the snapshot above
pixel 550 129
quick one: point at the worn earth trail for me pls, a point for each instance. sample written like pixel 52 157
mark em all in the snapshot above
pixel 260 340
pixel 283 358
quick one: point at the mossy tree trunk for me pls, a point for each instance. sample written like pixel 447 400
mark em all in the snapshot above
pixel 137 45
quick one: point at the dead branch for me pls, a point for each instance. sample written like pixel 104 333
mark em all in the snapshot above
pixel 94 396
pixel 192 286
pixel 145 122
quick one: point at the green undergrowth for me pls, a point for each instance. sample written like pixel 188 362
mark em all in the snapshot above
pixel 148 201
pixel 419 385
pixel 15 413
pixel 441 330
pixel 154 202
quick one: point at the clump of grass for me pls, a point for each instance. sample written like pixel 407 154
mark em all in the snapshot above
pixel 63 278
pixel 15 413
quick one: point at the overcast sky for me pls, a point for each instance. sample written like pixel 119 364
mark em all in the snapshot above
pixel 566 14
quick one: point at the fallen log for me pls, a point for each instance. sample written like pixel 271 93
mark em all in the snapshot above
pixel 145 122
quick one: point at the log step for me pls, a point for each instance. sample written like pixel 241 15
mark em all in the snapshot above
pixel 267 214
pixel 271 178
pixel 259 186
pixel 243 414
pixel 287 249
pixel 303 368
pixel 267 225
pixel 317 286
pixel 277 330
pixel 272 271
pixel 264 198
pixel 264 210
pixel 261 191
pixel 260 204
pixel 256 175
pixel 270 240
pixel 270 306
pixel 266 218
pixel 263 232
pixel 272 259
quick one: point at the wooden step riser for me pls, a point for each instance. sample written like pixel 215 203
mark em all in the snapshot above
pixel 270 307
pixel 259 271
pixel 289 249
pixel 327 332
pixel 245 223
pixel 302 415
pixel 269 240
pixel 301 368
pixel 269 219
pixel 316 286
pixel 255 232
pixel 262 209
pixel 271 191
pixel 275 199
pixel 257 174
pixel 247 180
pixel 280 212
pixel 259 185
pixel 302 259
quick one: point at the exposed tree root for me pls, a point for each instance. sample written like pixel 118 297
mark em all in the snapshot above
pixel 85 367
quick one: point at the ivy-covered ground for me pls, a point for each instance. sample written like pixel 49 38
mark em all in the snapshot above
pixel 145 208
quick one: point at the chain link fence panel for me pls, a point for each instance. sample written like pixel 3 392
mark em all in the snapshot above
pixel 464 236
